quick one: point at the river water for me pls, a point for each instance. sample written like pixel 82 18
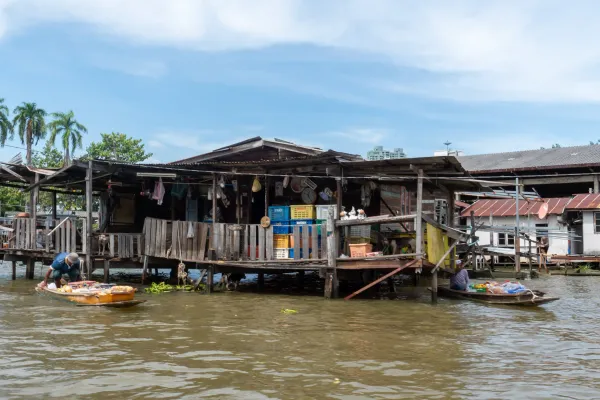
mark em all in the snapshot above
pixel 241 346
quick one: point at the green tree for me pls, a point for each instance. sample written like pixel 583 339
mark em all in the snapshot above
pixel 117 147
pixel 70 131
pixel 49 157
pixel 30 122
pixel 11 199
pixel 6 128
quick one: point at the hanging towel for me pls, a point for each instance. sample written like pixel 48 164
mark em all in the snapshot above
pixel 159 192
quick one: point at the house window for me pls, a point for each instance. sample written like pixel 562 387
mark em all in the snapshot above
pixel 597 222
pixel 506 240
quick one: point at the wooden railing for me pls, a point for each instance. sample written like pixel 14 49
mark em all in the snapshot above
pixel 192 241
pixel 55 237
pixel 118 245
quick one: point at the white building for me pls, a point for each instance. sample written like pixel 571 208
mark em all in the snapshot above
pixel 502 212
pixel 583 213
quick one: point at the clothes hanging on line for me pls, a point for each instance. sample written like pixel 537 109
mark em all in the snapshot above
pixel 159 192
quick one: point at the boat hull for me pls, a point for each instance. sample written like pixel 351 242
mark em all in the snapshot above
pixel 520 299
pixel 93 299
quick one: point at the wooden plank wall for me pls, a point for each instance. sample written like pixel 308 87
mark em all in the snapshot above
pixel 189 241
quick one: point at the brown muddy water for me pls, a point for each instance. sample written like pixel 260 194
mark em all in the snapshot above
pixel 241 346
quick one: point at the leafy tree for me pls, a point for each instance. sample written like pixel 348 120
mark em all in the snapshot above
pixel 6 128
pixel 117 147
pixel 11 199
pixel 556 146
pixel 49 157
pixel 70 131
pixel 30 122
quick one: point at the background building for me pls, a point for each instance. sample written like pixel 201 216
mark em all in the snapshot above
pixel 378 153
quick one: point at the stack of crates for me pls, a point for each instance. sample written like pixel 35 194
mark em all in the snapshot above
pixel 280 220
pixel 302 215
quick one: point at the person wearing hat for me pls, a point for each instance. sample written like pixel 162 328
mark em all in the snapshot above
pixel 64 263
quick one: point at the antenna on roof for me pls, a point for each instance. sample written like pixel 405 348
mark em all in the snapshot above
pixel 448 143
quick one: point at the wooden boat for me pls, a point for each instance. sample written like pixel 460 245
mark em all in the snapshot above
pixel 90 293
pixel 528 298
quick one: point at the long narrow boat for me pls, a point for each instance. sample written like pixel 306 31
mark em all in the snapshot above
pixel 90 293
pixel 527 298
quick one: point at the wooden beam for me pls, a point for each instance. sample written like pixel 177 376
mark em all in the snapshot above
pixel 382 219
pixel 419 221
pixel 384 277
pixel 48 178
pixel 13 173
pixel 331 253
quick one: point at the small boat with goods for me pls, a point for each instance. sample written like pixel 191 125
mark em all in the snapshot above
pixel 508 293
pixel 91 293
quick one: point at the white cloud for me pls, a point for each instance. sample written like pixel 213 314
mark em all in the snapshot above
pixel 527 50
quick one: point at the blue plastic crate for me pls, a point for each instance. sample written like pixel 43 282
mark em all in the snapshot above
pixel 302 223
pixel 281 227
pixel 279 213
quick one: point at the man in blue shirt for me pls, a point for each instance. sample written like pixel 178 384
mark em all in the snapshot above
pixel 459 280
pixel 64 263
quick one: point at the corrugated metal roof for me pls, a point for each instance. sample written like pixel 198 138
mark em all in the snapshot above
pixel 565 157
pixel 589 201
pixel 507 208
pixel 461 204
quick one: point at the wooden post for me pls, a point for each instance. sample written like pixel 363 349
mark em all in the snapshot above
pixel 434 287
pixel 471 241
pixel 145 269
pixel 54 202
pixel 517 227
pixel 210 279
pixel 106 270
pixel 331 284
pixel 596 184
pixel 261 281
pixel 30 268
pixel 14 270
pixel 34 200
pixel 530 261
pixel 419 221
pixel 451 223
pixel 267 182
pixel 213 231
pixel 89 220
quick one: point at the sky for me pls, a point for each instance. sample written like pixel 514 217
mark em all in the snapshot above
pixel 189 76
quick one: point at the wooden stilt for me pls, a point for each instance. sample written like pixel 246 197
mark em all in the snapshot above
pixel 331 281
pixel 300 280
pixel 14 270
pixel 210 279
pixel 30 268
pixel 328 284
pixel 434 287
pixel 145 269
pixel 106 270
pixel 261 281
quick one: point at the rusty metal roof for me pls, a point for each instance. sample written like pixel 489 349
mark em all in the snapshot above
pixel 588 201
pixel 507 207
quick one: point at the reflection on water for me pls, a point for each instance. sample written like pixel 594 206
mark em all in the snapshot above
pixel 240 346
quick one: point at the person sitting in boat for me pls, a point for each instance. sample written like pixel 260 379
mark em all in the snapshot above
pixel 64 263
pixel 460 279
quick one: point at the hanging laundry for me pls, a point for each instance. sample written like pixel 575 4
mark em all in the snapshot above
pixel 159 192
pixel 178 190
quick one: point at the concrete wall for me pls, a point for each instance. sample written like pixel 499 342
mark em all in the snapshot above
pixel 557 246
pixel 591 240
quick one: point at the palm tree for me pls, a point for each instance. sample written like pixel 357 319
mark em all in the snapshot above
pixel 6 128
pixel 30 122
pixel 70 131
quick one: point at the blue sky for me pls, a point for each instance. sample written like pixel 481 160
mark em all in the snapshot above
pixel 188 76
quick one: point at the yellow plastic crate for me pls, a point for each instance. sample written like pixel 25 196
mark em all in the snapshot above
pixel 281 241
pixel 303 212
